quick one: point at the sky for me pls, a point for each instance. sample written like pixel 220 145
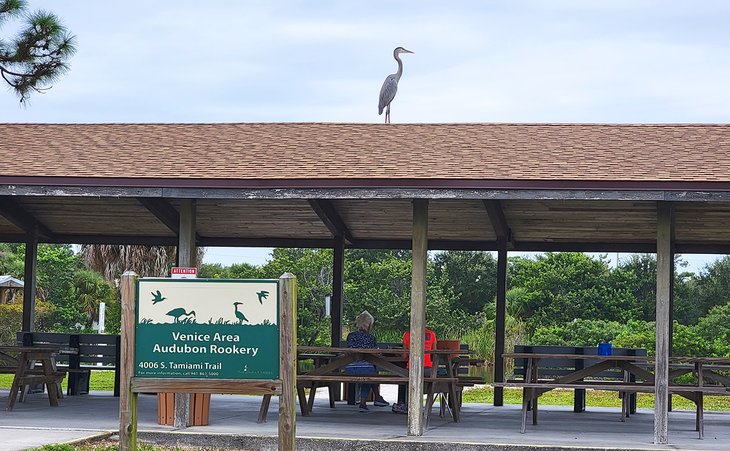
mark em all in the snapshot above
pixel 551 61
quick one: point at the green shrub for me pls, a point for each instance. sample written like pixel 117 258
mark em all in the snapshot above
pixel 11 319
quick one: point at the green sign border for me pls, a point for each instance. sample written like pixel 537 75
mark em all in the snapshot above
pixel 196 280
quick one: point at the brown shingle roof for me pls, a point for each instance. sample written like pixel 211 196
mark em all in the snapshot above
pixel 328 151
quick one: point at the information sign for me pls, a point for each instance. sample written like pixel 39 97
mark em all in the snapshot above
pixel 207 328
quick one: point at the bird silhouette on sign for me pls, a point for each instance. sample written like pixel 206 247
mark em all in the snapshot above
pixel 390 85
pixel 179 312
pixel 262 295
pixel 241 317
pixel 157 297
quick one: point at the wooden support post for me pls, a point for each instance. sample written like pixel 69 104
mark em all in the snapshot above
pixel 671 306
pixel 336 307
pixel 288 357
pixel 186 257
pixel 418 317
pixel 186 240
pixel 338 270
pixel 663 284
pixel 29 281
pixel 127 399
pixel 499 323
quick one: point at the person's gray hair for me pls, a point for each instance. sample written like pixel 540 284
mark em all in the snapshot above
pixel 364 320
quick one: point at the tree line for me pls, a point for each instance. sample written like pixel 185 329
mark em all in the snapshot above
pixel 563 298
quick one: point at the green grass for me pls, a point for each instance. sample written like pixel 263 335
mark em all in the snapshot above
pixel 596 398
pixel 113 445
pixel 104 447
pixel 100 380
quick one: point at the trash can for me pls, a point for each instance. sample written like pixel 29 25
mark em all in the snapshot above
pixel 199 409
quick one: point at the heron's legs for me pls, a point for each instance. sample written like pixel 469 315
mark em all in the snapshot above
pixel 387 114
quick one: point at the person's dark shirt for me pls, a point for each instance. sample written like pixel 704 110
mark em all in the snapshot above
pixel 361 339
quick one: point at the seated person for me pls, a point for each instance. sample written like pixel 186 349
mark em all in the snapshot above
pixel 429 343
pixel 362 338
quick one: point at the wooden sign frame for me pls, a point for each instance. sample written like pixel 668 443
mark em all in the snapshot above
pixel 284 387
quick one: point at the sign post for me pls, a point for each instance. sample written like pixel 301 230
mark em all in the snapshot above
pixel 206 336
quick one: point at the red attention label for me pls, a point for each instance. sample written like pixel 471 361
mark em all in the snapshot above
pixel 183 272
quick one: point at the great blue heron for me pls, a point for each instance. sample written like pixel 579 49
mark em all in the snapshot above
pixel 239 315
pixel 390 85
pixel 179 312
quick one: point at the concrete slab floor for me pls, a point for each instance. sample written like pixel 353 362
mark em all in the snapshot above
pixel 233 424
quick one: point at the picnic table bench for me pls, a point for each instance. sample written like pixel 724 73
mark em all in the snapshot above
pixel 560 365
pixel 26 373
pixel 333 360
pixel 94 352
pixel 533 386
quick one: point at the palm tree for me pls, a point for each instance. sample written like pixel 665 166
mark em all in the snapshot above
pixel 113 260
pixel 91 289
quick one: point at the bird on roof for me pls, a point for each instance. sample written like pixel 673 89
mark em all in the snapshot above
pixel 262 295
pixel 179 312
pixel 241 317
pixel 156 297
pixel 390 85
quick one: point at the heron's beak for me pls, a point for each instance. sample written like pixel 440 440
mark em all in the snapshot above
pixel 407 51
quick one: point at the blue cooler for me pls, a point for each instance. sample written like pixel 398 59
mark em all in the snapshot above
pixel 605 349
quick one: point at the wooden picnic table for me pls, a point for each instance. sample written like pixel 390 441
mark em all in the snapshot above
pixel 330 363
pixel 25 358
pixel 636 379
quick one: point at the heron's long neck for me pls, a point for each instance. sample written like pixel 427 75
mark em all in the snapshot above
pixel 400 67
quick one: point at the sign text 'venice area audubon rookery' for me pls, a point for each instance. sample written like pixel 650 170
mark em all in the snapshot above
pixel 198 328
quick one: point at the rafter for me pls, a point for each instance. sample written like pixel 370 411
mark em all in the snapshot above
pixel 13 212
pixel 499 221
pixel 165 212
pixel 331 219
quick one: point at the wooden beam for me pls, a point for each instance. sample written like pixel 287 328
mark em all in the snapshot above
pixel 29 282
pixel 115 239
pixel 526 246
pixel 576 246
pixel 661 368
pixel 13 212
pixel 164 211
pixel 418 317
pixel 675 195
pixel 703 194
pixel 195 385
pixel 266 242
pixel 499 221
pixel 500 321
pixel 466 245
pixel 331 219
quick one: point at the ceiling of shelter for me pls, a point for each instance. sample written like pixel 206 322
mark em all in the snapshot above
pixel 589 187
pixel 386 223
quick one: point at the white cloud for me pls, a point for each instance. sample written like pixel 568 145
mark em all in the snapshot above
pixel 523 61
